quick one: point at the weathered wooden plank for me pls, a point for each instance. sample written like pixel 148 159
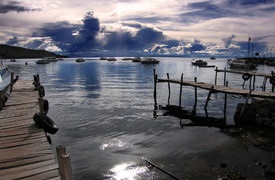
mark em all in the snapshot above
pixel 24 150
pixel 29 170
pixel 20 161
pixel 221 89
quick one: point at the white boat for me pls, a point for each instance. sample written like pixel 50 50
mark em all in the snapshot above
pixel 241 64
pixel 80 60
pixel 149 60
pixel 5 81
pixel 199 62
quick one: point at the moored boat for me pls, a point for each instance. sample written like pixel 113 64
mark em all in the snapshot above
pixel 103 58
pixel 42 61
pixel 149 60
pixel 5 81
pixel 80 60
pixel 199 62
pixel 241 64
pixel 111 59
pixel 50 59
pixel 136 59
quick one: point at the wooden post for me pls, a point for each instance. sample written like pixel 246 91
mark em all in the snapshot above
pixel 155 84
pixel 181 80
pixel 264 84
pixel 224 77
pixel 216 75
pixel 225 101
pixel 11 84
pixel 208 97
pixel 64 163
pixel 250 82
pixel 272 73
pixel 196 96
pixel 240 116
pixel 254 79
pixel 169 90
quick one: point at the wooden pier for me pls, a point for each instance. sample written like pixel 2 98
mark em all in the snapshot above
pixel 214 88
pixel 25 152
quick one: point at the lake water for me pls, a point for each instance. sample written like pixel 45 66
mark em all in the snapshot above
pixel 108 121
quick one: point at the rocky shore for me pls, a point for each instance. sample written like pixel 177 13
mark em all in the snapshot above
pixel 260 112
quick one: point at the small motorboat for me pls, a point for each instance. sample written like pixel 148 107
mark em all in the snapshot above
pixel 42 61
pixel 241 64
pixel 111 59
pixel 199 62
pixel 80 60
pixel 136 59
pixel 149 60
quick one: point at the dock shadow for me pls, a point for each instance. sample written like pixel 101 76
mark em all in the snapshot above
pixel 189 118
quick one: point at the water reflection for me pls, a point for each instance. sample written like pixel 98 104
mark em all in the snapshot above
pixel 129 171
pixel 189 118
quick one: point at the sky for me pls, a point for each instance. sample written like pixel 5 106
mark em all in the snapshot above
pixel 190 28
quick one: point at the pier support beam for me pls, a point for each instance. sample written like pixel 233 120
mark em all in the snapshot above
pixel 181 80
pixel 64 163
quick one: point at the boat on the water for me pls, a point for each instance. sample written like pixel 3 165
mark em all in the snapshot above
pixel 5 81
pixel 241 64
pixel 103 58
pixel 111 59
pixel 149 60
pixel 212 58
pixel 42 61
pixel 50 59
pixel 80 60
pixel 136 59
pixel 199 62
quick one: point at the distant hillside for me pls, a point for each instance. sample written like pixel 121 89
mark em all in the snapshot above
pixel 7 51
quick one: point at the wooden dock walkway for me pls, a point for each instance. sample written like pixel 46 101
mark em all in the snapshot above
pixel 24 150
pixel 220 88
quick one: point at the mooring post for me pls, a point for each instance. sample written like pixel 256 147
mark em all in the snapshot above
pixel 272 73
pixel 169 90
pixel 254 79
pixel 264 84
pixel 155 86
pixel 208 97
pixel 246 101
pixel 250 82
pixel 225 101
pixel 196 96
pixel 12 81
pixel 64 163
pixel 224 77
pixel 181 80
pixel 216 75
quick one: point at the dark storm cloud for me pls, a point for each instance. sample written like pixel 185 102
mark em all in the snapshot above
pixel 13 6
pixel 12 41
pixel 144 38
pixel 148 36
pixel 228 41
pixel 84 37
pixel 59 31
pixel 72 37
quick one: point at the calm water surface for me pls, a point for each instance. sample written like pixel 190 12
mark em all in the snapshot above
pixel 105 111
